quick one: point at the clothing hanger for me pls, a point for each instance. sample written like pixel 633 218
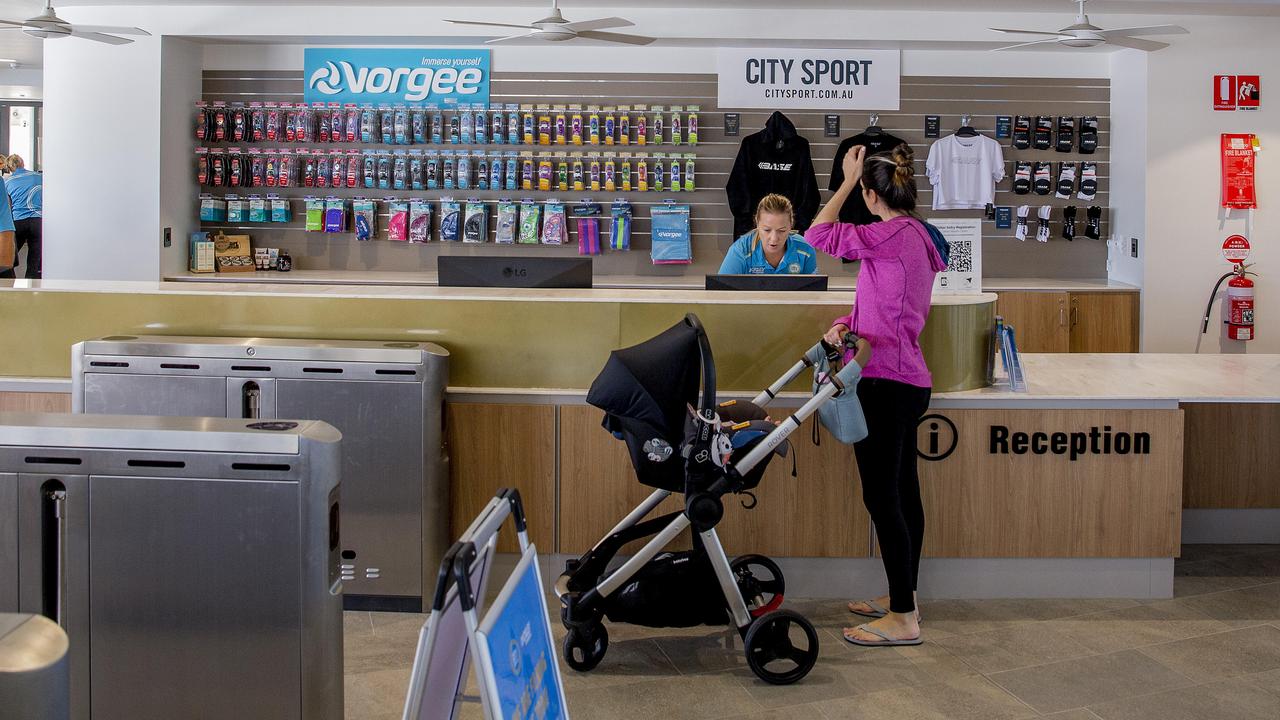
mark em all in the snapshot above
pixel 874 127
pixel 966 130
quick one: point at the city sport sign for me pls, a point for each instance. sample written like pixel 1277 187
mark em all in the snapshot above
pixel 809 79
pixel 396 75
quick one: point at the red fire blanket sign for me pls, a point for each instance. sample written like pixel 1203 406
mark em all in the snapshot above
pixel 1238 162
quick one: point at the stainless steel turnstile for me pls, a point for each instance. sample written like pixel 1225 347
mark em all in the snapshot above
pixel 34 684
pixel 193 562
pixel 387 399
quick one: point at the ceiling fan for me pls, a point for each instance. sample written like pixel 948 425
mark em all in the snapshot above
pixel 1085 34
pixel 48 26
pixel 555 28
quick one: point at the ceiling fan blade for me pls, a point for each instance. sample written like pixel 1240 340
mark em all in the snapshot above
pixel 1149 30
pixel 14 23
pixel 1136 43
pixel 1025 32
pixel 489 24
pixel 617 37
pixel 111 29
pixel 600 24
pixel 509 38
pixel 1026 44
pixel 100 37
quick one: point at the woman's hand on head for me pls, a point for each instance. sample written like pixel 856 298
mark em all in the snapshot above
pixel 852 164
pixel 835 336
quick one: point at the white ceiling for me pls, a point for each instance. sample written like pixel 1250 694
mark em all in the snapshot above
pixel 28 51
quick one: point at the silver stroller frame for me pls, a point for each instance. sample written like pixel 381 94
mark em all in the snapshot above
pixel 582 608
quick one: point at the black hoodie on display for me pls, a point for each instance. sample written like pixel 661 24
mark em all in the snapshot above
pixel 774 160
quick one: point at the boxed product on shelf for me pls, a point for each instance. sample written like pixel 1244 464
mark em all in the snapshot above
pixel 200 256
pixel 212 209
pixel 231 253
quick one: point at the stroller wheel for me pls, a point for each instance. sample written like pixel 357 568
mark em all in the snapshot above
pixel 761 583
pixel 584 647
pixel 772 650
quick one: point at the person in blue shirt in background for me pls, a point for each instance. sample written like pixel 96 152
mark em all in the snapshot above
pixel 771 248
pixel 25 192
pixel 7 251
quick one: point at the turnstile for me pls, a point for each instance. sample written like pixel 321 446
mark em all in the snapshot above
pixel 192 562
pixel 387 399
pixel 34 684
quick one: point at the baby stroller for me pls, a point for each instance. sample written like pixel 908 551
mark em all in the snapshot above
pixel 681 441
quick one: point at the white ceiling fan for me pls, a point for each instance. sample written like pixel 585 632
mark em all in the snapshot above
pixel 48 26
pixel 555 28
pixel 1085 34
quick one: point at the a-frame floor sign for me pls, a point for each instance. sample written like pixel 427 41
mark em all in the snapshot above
pixel 511 646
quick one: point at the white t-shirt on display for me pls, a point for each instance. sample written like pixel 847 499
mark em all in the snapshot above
pixel 964 172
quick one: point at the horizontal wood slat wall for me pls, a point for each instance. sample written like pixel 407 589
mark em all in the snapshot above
pixel 983 98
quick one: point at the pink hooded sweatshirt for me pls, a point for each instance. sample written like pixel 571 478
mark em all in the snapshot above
pixel 895 289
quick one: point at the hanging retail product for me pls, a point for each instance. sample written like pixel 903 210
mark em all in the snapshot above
pixel 670 236
pixel 587 218
pixel 530 222
pixel 1022 132
pixel 774 160
pixel 1042 178
pixel 419 221
pixel 475 225
pixel 1066 180
pixel 1020 231
pixel 450 220
pixel 1022 178
pixel 555 224
pixel 1093 226
pixel 335 215
pixel 875 141
pixel 1043 133
pixel 397 219
pixel 964 172
pixel 1088 180
pixel 365 215
pixel 1043 231
pixel 508 222
pixel 1069 222
pixel 1088 135
pixel 1066 134
pixel 620 225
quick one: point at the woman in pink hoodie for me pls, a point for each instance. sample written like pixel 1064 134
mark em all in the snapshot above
pixel 895 286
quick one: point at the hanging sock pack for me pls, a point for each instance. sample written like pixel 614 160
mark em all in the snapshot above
pixel 1066 180
pixel 1042 230
pixel 1021 231
pixel 1022 178
pixel 1088 180
pixel 1022 132
pixel 1093 228
pixel 1088 135
pixel 1066 134
pixel 1069 222
pixel 1043 178
pixel 1044 132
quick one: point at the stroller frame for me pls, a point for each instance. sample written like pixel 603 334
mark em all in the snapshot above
pixel 582 611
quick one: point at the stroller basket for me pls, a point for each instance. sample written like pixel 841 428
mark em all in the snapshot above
pixel 659 397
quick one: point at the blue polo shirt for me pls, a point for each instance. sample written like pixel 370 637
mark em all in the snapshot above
pixel 26 194
pixel 799 258
pixel 6 215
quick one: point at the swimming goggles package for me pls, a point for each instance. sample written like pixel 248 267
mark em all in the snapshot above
pixel 555 224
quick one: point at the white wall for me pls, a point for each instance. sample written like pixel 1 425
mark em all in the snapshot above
pixel 180 87
pixel 1185 226
pixel 1128 198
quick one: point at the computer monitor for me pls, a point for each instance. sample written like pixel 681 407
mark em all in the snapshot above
pixel 767 282
pixel 514 272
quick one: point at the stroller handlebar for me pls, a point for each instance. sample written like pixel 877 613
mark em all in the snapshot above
pixel 861 355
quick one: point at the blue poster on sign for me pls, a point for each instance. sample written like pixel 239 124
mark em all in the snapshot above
pixel 396 76
pixel 517 651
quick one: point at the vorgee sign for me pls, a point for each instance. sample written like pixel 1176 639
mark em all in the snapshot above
pixel 810 79
pixel 390 75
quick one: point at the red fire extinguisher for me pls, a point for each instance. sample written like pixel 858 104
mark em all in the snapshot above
pixel 1240 305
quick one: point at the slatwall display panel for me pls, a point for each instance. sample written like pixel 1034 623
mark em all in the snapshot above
pixel 712 225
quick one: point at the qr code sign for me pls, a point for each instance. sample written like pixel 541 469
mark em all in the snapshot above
pixel 961 259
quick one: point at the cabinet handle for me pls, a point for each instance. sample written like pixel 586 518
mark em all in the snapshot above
pixel 1062 314
pixel 1075 314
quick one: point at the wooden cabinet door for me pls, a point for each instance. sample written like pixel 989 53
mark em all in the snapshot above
pixel 1104 322
pixel 1039 320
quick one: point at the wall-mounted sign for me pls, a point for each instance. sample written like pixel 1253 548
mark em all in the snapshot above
pixel 932 126
pixel 732 124
pixel 831 126
pixel 394 75
pixel 1236 249
pixel 1237 92
pixel 1239 191
pixel 1004 126
pixel 809 79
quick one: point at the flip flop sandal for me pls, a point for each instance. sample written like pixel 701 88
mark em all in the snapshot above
pixel 885 640
pixel 876 613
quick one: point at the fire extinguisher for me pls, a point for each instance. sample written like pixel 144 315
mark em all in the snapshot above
pixel 1239 310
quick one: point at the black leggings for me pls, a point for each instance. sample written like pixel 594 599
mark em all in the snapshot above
pixel 26 232
pixel 890 483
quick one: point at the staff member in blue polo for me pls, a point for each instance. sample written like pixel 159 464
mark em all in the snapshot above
pixel 25 190
pixel 771 248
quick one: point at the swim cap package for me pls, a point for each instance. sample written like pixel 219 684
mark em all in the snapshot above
pixel 620 226
pixel 315 215
pixel 530 222
pixel 450 220
pixel 670 235
pixel 475 227
pixel 365 213
pixel 508 222
pixel 555 226
pixel 419 221
pixel 398 223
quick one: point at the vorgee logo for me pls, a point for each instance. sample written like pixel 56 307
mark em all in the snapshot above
pixel 391 76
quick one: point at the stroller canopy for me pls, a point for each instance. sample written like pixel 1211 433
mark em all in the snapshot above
pixel 650 384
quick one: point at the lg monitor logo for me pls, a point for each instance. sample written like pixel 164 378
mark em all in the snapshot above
pixel 936 437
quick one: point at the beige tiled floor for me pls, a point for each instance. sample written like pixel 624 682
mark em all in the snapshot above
pixel 1211 653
